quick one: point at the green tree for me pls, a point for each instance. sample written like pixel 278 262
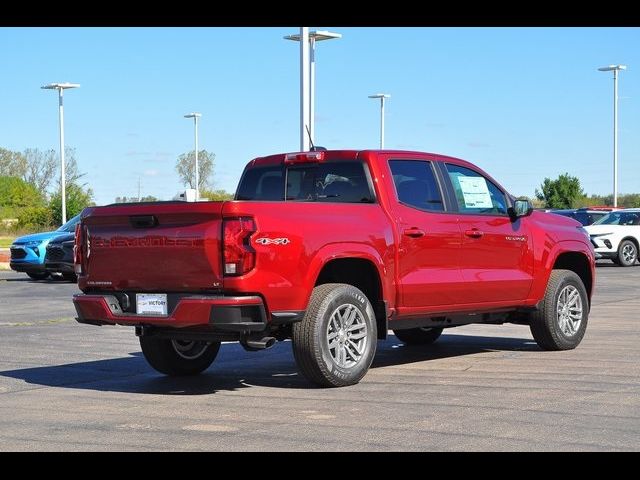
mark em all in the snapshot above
pixel 564 192
pixel 16 193
pixel 77 199
pixel 34 218
pixel 185 166
pixel 216 195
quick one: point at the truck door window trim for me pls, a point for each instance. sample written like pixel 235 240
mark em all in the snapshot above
pixel 437 180
pixel 446 173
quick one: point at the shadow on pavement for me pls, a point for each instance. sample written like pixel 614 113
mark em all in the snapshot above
pixel 393 352
pixel 238 369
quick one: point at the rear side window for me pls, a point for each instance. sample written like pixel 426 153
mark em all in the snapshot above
pixel 474 193
pixel 416 185
pixel 332 182
pixel 262 183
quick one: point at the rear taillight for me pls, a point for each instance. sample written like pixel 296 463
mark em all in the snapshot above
pixel 238 255
pixel 77 250
pixel 303 157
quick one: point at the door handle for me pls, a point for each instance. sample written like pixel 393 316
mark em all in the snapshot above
pixel 474 233
pixel 414 232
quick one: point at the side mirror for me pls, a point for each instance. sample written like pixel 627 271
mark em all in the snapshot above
pixel 521 208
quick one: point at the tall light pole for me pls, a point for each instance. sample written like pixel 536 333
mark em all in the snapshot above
pixel 615 69
pixel 314 36
pixel 61 87
pixel 381 96
pixel 195 117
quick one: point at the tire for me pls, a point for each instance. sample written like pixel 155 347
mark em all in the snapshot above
pixel 178 358
pixel 70 277
pixel 38 275
pixel 554 330
pixel 323 325
pixel 627 253
pixel 418 336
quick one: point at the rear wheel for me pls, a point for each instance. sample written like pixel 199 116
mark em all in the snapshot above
pixel 178 357
pixel 418 336
pixel 561 321
pixel 38 275
pixel 70 277
pixel 627 253
pixel 335 342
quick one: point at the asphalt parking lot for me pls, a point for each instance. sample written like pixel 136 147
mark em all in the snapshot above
pixel 66 386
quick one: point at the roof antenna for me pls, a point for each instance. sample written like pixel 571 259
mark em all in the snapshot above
pixel 313 147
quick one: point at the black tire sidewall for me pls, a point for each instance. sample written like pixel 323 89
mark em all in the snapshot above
pixel 342 295
pixel 162 356
pixel 563 341
pixel 621 257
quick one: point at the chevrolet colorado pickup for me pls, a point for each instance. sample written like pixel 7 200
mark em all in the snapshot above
pixel 331 249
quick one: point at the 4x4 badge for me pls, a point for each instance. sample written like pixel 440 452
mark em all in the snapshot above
pixel 272 241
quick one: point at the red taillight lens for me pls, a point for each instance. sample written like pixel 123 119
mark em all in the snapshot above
pixel 303 157
pixel 77 250
pixel 239 256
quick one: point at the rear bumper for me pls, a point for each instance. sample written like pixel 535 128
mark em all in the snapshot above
pixel 218 313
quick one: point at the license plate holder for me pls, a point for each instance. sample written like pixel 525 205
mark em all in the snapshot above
pixel 153 304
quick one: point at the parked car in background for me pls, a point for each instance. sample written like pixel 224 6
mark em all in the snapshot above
pixel 616 236
pixel 28 252
pixel 585 215
pixel 59 257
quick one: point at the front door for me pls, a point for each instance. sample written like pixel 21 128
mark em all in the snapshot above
pixel 495 258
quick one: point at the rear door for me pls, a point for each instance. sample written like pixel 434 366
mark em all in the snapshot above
pixel 496 254
pixel 429 238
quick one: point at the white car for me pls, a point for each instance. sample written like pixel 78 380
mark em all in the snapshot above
pixel 617 236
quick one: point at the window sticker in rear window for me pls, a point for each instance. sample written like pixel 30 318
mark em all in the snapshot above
pixel 475 192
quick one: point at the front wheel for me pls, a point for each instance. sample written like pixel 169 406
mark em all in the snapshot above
pixel 561 321
pixel 335 342
pixel 178 357
pixel 627 253
pixel 38 275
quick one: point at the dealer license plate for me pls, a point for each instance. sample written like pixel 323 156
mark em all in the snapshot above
pixel 151 303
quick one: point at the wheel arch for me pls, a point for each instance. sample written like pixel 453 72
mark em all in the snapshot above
pixel 578 263
pixel 363 273
pixel 631 238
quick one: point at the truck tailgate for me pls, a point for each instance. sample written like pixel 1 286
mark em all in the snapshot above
pixel 173 246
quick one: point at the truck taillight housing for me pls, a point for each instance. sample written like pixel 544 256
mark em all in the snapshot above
pixel 78 258
pixel 239 257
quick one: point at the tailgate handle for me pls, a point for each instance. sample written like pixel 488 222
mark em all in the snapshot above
pixel 143 221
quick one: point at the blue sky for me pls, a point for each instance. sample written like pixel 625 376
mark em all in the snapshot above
pixel 522 103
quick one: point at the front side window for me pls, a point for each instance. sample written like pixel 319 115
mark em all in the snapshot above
pixel 416 184
pixel 474 193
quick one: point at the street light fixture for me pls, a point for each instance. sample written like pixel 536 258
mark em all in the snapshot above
pixel 195 117
pixel 614 69
pixel 381 96
pixel 314 36
pixel 61 87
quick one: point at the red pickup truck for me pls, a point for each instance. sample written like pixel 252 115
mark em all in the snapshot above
pixel 331 249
